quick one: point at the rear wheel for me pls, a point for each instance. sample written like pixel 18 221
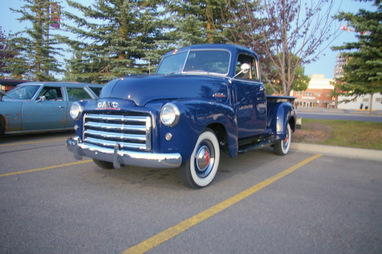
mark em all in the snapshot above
pixel 282 147
pixel 201 168
pixel 104 164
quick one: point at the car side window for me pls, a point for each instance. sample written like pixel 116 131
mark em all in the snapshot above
pixel 76 94
pixel 250 75
pixel 50 94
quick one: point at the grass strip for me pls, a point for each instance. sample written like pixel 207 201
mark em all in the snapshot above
pixel 359 134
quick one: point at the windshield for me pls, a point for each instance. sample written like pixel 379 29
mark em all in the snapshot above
pixel 172 64
pixel 198 61
pixel 23 92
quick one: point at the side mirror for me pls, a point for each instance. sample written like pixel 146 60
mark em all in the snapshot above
pixel 245 68
pixel 41 98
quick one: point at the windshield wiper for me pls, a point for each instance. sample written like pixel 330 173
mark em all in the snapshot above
pixel 200 72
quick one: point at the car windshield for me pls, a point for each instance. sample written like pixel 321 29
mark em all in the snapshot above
pixel 23 92
pixel 198 61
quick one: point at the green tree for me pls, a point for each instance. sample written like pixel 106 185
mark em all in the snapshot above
pixel 363 72
pixel 301 81
pixel 34 50
pixel 115 38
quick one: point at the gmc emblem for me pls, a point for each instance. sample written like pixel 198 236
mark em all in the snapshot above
pixel 107 105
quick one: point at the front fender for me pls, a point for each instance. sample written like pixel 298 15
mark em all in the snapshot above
pixel 78 124
pixel 195 116
pixel 11 113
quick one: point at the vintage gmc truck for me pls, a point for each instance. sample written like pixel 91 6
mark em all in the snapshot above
pixel 203 99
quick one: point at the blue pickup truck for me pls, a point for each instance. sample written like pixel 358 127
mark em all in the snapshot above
pixel 203 99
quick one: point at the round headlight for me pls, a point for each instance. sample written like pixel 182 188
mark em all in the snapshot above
pixel 75 110
pixel 169 114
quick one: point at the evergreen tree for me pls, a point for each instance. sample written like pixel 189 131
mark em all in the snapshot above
pixel 198 21
pixel 5 55
pixel 115 38
pixel 363 72
pixel 34 54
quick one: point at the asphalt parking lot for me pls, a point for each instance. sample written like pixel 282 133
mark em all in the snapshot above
pixel 314 200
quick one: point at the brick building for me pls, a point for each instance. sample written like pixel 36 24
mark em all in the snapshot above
pixel 318 94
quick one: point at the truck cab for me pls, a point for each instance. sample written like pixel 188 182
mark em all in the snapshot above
pixel 203 100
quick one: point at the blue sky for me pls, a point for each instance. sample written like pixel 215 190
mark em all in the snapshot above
pixel 324 65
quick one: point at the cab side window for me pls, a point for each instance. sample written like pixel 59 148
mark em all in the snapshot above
pixel 252 73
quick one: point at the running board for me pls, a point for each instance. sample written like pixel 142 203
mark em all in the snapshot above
pixel 257 146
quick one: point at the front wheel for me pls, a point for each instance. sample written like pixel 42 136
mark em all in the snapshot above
pixel 201 168
pixel 282 147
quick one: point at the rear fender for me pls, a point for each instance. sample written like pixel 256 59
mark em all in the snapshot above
pixel 279 116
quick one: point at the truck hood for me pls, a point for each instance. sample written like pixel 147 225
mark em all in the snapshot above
pixel 143 89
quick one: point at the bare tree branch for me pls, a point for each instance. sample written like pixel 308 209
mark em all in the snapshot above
pixel 289 33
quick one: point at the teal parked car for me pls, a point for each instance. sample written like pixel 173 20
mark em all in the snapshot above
pixel 42 106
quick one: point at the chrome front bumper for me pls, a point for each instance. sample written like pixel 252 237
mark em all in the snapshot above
pixel 121 157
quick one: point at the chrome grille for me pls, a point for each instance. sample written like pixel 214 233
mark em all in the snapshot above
pixel 128 131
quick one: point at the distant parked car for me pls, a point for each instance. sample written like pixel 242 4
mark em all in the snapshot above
pixel 42 106
pixel 9 84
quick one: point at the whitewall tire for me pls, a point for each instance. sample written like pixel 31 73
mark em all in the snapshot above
pixel 201 168
pixel 282 147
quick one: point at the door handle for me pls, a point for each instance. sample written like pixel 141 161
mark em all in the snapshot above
pixel 61 106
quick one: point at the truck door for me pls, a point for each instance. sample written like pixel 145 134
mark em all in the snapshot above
pixel 251 106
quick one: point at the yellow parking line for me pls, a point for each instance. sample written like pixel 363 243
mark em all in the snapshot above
pixel 32 142
pixel 186 224
pixel 50 167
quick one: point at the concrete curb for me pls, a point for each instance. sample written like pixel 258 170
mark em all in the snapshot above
pixel 367 154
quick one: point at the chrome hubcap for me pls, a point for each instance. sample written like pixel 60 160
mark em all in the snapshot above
pixel 286 140
pixel 204 160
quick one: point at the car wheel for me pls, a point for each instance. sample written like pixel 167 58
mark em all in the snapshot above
pixel 2 125
pixel 201 168
pixel 282 147
pixel 104 164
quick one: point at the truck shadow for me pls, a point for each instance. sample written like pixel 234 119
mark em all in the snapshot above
pixel 243 163
pixel 168 178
